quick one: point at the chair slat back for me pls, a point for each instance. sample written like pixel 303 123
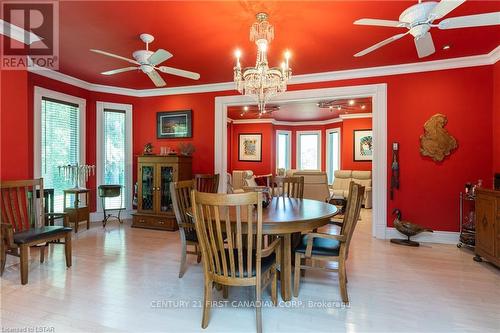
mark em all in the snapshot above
pixel 207 183
pixel 181 201
pixel 288 187
pixel 20 205
pixel 352 211
pixel 232 218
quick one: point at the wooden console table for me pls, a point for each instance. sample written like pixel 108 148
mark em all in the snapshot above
pixel 77 212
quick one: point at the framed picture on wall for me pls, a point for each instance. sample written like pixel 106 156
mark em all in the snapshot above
pixel 363 145
pixel 250 147
pixel 174 124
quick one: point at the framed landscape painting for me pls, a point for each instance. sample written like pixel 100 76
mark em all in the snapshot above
pixel 250 147
pixel 175 124
pixel 363 145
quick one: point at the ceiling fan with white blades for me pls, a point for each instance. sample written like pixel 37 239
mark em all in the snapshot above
pixel 147 61
pixel 419 18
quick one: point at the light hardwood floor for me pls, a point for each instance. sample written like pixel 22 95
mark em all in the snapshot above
pixel 125 279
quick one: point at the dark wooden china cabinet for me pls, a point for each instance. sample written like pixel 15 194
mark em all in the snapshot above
pixel 154 204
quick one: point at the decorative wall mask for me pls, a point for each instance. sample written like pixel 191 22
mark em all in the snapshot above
pixel 436 142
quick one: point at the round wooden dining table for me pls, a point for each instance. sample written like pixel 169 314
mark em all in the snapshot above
pixel 286 216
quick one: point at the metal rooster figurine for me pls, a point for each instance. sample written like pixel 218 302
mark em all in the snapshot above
pixel 406 228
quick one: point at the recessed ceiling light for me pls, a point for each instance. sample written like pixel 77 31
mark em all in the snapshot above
pixel 363 106
pixel 351 102
pixel 339 107
pixel 245 108
pixel 446 47
pixel 330 107
pixel 241 114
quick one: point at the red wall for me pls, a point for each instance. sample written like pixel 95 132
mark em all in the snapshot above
pixel 348 127
pixel 14 125
pixel 263 167
pixel 496 118
pixel 429 190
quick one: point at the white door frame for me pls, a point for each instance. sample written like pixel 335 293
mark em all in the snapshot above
pixel 127 191
pixel 378 93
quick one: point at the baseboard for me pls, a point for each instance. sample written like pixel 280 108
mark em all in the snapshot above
pixel 441 237
pixel 98 216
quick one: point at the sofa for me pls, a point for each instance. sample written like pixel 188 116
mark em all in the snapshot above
pixel 343 178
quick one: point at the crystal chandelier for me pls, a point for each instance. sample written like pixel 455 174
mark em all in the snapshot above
pixel 262 82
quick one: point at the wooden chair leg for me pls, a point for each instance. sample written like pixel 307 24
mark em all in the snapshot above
pixel 42 253
pixel 67 249
pixel 258 305
pixel 296 275
pixel 274 286
pixel 343 282
pixel 24 256
pixel 183 255
pixel 198 256
pixel 3 256
pixel 225 292
pixel 303 271
pixel 206 303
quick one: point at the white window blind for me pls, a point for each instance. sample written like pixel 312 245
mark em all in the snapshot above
pixel 309 152
pixel 333 154
pixel 60 135
pixel 283 150
pixel 114 154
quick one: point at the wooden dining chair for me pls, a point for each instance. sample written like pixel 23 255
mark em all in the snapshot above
pixel 230 256
pixel 23 223
pixel 327 247
pixel 207 183
pixel 287 187
pixel 181 201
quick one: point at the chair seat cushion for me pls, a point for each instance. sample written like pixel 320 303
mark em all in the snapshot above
pixel 321 246
pixel 41 233
pixel 266 262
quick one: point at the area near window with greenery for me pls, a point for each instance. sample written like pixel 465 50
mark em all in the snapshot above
pixel 60 133
pixel 114 154
pixel 309 151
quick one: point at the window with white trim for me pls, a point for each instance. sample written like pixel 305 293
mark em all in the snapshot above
pixel 59 135
pixel 332 153
pixel 114 152
pixel 309 150
pixel 283 149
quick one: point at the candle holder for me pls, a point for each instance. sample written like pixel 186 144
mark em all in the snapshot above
pixel 76 173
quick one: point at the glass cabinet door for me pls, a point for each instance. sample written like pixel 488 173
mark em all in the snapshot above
pixel 165 177
pixel 147 188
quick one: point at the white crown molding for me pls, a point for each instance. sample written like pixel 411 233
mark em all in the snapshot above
pixel 426 66
pixel 441 237
pixel 355 116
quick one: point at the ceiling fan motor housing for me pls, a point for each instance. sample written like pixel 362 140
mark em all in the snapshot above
pixel 417 16
pixel 142 56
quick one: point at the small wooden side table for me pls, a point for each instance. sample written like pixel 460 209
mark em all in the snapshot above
pixel 77 212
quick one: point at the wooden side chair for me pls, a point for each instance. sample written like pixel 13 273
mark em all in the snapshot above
pixel 181 201
pixel 22 223
pixel 207 183
pixel 230 257
pixel 327 247
pixel 287 187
